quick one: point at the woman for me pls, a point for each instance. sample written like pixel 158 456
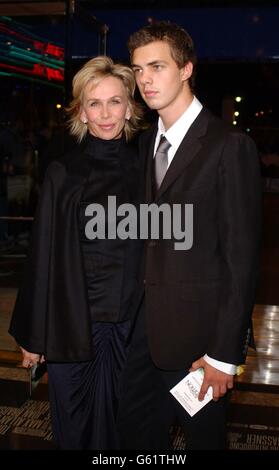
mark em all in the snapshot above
pixel 74 306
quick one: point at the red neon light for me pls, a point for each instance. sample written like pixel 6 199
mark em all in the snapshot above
pixel 16 69
pixel 48 48
pixel 39 70
pixel 11 32
pixel 39 45
pixel 54 74
pixel 50 74
pixel 55 50
pixel 43 47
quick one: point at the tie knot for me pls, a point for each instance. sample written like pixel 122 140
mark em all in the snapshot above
pixel 164 145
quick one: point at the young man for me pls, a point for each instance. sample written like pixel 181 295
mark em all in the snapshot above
pixel 197 305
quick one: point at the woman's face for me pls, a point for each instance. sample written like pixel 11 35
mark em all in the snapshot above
pixel 105 108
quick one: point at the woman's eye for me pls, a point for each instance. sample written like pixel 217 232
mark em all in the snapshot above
pixel 93 103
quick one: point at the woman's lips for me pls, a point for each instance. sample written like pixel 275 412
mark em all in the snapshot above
pixel 106 127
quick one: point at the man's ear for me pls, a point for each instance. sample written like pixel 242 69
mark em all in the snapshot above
pixel 186 71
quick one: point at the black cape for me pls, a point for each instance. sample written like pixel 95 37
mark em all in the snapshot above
pixel 51 315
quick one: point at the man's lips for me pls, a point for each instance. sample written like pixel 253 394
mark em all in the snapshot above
pixel 150 93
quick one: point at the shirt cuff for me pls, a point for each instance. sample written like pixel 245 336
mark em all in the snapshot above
pixel 222 366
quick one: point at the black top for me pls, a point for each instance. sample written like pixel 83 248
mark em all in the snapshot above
pixel 109 263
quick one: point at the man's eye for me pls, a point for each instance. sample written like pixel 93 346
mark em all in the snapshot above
pixel 93 103
pixel 116 102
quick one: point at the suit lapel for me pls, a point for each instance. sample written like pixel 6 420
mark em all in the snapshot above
pixel 148 150
pixel 188 149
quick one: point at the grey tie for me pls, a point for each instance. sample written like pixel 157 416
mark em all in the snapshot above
pixel 161 161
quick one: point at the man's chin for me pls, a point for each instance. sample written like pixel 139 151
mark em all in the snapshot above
pixel 152 105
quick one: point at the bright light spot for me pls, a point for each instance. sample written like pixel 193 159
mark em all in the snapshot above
pixel 58 106
pixel 236 113
pixel 238 99
pixel 234 123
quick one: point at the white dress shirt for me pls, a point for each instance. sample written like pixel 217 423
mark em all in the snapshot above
pixel 175 134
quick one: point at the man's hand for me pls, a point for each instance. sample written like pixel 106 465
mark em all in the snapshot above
pixel 218 380
pixel 30 359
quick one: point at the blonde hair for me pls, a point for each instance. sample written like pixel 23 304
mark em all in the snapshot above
pixel 95 70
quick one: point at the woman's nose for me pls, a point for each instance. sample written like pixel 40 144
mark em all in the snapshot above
pixel 105 111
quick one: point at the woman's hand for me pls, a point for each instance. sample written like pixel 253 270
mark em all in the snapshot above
pixel 30 359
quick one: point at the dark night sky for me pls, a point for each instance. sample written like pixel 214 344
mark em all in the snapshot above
pixel 218 32
pixel 237 46
pixel 238 49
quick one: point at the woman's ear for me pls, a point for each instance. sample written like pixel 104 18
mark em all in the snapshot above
pixel 128 114
pixel 83 117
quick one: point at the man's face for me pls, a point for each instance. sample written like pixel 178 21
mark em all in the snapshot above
pixel 161 83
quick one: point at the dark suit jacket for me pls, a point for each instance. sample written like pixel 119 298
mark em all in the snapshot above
pixel 200 300
pixel 51 314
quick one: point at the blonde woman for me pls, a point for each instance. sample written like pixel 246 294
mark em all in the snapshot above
pixel 75 303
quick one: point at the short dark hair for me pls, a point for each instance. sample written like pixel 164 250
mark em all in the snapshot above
pixel 180 42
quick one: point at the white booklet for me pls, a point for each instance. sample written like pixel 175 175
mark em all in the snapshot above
pixel 187 392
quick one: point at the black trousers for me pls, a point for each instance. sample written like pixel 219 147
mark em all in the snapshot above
pixel 147 409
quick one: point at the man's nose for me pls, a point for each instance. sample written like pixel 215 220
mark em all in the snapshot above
pixel 145 77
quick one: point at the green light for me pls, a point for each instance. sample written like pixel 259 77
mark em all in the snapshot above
pixel 29 55
pixel 9 60
pixel 31 79
pixel 5 74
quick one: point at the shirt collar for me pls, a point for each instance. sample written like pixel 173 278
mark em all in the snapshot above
pixel 175 134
